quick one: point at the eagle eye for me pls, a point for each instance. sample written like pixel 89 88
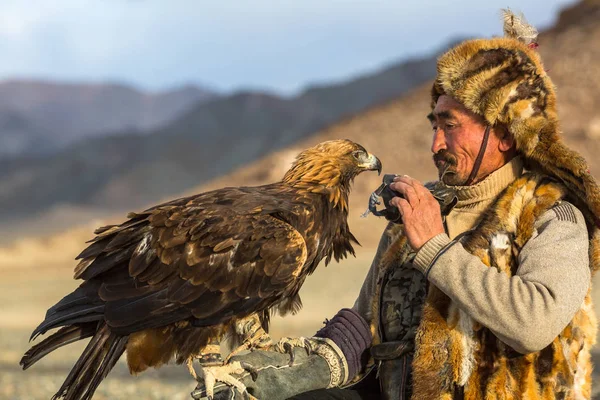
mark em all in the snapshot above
pixel 358 154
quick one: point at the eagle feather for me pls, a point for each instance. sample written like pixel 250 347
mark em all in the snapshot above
pixel 164 283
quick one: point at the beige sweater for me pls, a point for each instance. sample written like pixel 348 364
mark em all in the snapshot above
pixel 474 200
pixel 526 311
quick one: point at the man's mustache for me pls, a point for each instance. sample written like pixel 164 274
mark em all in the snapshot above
pixel 444 155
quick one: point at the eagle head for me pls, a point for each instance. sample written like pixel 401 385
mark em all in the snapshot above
pixel 330 167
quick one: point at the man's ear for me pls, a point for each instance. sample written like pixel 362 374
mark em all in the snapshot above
pixel 506 142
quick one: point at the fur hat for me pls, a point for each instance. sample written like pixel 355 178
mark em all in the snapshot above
pixel 503 80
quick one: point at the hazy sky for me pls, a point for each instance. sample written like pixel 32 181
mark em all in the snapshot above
pixel 280 45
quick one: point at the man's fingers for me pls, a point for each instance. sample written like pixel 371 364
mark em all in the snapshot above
pixel 402 182
pixel 403 206
pixel 407 191
pixel 405 178
pixel 420 189
pixel 412 196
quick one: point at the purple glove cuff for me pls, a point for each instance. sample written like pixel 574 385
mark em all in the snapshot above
pixel 351 334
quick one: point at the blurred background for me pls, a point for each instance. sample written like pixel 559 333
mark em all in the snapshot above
pixel 113 106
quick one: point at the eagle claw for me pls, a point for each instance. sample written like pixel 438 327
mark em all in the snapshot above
pixel 286 345
pixel 210 375
pixel 289 349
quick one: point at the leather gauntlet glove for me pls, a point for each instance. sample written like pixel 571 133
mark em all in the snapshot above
pixel 336 353
pixel 276 379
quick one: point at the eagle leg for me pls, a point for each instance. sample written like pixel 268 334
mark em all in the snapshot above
pixel 223 373
pixel 210 355
pixel 190 366
pixel 286 345
pixel 253 336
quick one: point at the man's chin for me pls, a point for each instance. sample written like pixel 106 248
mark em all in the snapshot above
pixel 450 178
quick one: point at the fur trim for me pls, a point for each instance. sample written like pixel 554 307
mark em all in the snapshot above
pixel 503 80
pixel 453 350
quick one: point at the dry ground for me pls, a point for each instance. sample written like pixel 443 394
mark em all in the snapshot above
pixel 26 293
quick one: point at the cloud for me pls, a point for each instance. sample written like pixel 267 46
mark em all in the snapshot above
pixel 230 44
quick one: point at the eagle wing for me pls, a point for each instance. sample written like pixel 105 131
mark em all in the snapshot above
pixel 212 256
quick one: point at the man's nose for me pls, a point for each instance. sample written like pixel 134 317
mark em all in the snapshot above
pixel 439 141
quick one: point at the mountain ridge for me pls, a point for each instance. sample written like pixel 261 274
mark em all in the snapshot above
pixel 395 129
pixel 57 114
pixel 207 140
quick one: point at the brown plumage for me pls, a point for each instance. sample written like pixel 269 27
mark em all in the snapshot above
pixel 164 283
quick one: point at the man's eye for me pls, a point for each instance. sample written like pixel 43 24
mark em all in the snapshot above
pixel 450 126
pixel 434 128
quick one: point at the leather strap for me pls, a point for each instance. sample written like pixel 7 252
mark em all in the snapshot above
pixel 479 159
pixel 395 378
pixel 391 350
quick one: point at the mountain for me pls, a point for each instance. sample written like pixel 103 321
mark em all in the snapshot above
pixel 399 133
pixel 19 134
pixel 129 172
pixel 38 117
pixel 133 168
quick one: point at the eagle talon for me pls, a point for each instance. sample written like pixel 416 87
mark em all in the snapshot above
pixel 286 345
pixel 224 373
pixel 308 346
pixel 289 349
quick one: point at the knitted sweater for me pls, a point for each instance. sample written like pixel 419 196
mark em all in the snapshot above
pixel 526 311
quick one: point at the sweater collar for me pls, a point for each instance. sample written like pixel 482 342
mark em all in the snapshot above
pixel 491 186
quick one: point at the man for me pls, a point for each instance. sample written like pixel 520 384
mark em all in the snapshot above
pixel 491 300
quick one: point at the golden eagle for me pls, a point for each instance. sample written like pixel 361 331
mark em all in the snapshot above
pixel 171 280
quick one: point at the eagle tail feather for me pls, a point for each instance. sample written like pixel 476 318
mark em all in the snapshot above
pixel 75 317
pixel 78 307
pixel 96 361
pixel 66 335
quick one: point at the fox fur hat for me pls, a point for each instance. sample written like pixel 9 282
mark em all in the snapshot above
pixel 504 81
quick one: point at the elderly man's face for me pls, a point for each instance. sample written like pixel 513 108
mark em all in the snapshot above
pixel 457 137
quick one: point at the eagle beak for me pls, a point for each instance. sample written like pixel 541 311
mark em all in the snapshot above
pixel 372 164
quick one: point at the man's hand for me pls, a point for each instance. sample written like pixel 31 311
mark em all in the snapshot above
pixel 419 209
